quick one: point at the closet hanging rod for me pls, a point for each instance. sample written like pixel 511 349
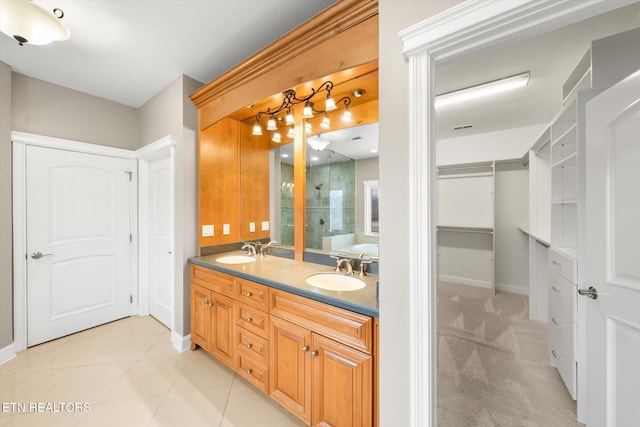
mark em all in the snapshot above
pixel 447 168
pixel 461 230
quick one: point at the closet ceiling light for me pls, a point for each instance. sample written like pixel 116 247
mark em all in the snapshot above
pixel 29 23
pixel 318 143
pixel 484 89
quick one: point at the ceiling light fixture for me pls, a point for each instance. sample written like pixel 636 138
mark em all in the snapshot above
pixel 291 99
pixel 318 143
pixel 30 23
pixel 484 89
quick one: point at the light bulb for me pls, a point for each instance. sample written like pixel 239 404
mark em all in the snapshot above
pixel 291 133
pixel 330 105
pixel 346 117
pixel 271 124
pixel 307 112
pixel 257 129
pixel 276 137
pixel 307 128
pixel 326 123
pixel 289 120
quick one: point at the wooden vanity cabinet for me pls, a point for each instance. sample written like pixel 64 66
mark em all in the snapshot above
pixel 212 323
pixel 315 359
pixel 321 380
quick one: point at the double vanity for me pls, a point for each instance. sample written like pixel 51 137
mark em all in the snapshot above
pixel 272 320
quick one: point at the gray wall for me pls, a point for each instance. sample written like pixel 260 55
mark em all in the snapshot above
pixel 512 211
pixel 34 106
pixel 46 109
pixel 396 15
pixel 6 255
pixel 171 112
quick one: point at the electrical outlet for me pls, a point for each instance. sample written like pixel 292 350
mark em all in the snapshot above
pixel 207 230
pixel 265 225
pixel 226 229
pixel 252 227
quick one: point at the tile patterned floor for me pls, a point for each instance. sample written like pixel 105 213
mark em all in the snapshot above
pixel 129 375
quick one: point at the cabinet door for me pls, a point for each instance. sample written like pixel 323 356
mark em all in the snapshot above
pixel 290 367
pixel 222 326
pixel 342 385
pixel 200 317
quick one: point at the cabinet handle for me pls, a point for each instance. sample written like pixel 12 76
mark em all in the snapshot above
pixel 556 262
pixel 556 289
pixel 555 321
pixel 314 353
pixel 249 319
pixel 206 302
pixel 553 352
pixel 305 348
pixel 249 345
pixel 249 371
pixel 249 294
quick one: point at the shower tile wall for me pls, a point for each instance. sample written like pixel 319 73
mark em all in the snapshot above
pixel 321 180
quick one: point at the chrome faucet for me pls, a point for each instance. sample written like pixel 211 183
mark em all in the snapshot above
pixel 346 263
pixel 251 250
pixel 264 249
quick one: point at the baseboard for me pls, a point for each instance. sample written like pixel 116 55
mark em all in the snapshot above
pixel 512 289
pixel 179 342
pixel 7 353
pixel 464 281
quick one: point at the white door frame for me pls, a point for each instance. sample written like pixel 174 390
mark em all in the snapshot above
pixel 467 28
pixel 145 155
pixel 20 142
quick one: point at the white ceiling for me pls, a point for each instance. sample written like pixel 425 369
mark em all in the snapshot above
pixel 128 50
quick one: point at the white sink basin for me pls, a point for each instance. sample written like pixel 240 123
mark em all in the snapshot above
pixel 335 282
pixel 235 259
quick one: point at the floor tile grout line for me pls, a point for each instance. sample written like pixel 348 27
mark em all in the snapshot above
pixel 226 403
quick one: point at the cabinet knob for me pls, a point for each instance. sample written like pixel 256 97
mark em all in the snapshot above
pixel 314 353
pixel 249 319
pixel 249 294
pixel 206 302
pixel 249 371
pixel 249 345
pixel 305 348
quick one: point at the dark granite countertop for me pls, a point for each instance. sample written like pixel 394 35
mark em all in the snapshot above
pixel 289 275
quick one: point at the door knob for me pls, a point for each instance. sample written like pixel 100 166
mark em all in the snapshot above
pixel 38 255
pixel 591 292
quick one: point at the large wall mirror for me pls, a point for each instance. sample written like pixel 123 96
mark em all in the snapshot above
pixel 340 166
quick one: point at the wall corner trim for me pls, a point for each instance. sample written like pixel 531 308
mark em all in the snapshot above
pixel 179 342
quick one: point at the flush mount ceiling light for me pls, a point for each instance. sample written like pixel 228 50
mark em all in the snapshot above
pixel 484 89
pixel 318 143
pixel 291 99
pixel 29 23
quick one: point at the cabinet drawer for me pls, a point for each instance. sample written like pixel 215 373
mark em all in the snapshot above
pixel 351 328
pixel 252 319
pixel 253 294
pixel 563 264
pixel 254 372
pixel 252 345
pixel 563 299
pixel 214 280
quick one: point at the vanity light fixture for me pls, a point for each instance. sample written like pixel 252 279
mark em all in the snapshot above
pixel 346 116
pixel 326 122
pixel 276 137
pixel 484 89
pixel 30 23
pixel 307 128
pixel 291 133
pixel 291 99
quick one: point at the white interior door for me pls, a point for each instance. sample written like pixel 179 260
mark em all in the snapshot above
pixel 160 240
pixel 78 225
pixel 613 255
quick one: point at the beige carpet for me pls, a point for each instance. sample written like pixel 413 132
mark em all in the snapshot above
pixel 493 364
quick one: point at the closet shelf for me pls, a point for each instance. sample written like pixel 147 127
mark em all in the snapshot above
pixel 569 161
pixel 565 202
pixel 465 229
pixel 568 135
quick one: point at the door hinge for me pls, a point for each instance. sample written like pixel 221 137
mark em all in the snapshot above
pixel 131 299
pixel 130 174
